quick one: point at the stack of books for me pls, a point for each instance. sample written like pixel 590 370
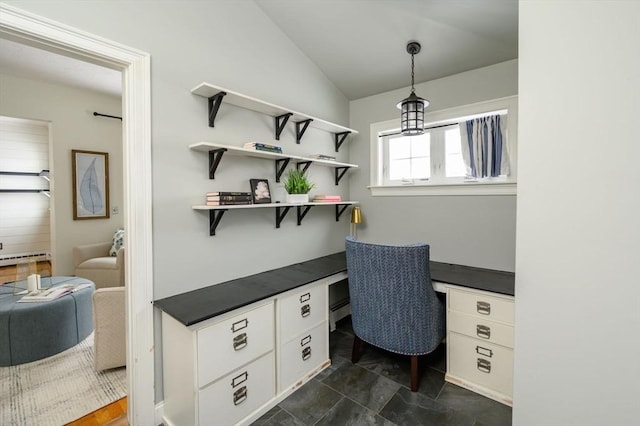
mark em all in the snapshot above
pixel 324 157
pixel 260 146
pixel 327 199
pixel 228 198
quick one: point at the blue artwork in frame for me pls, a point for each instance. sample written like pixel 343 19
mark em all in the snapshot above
pixel 90 184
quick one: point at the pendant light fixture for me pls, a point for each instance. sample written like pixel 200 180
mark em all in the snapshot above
pixel 412 108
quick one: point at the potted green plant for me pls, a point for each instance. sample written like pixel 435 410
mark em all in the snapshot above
pixel 297 186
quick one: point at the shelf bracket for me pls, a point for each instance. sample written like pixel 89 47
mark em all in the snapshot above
pixel 215 155
pixel 306 165
pixel 339 172
pixel 301 127
pixel 214 220
pixel 281 121
pixel 281 164
pixel 302 213
pixel 214 105
pixel 280 216
pixel 340 208
pixel 339 139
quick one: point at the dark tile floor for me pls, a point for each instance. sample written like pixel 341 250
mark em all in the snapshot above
pixel 375 392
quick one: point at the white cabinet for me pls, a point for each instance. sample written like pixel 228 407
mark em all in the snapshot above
pixel 480 342
pixel 304 335
pixel 234 367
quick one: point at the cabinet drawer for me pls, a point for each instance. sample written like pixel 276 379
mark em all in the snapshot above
pixel 481 362
pixel 302 354
pixel 302 311
pixel 227 345
pixel 238 394
pixel 481 328
pixel 490 307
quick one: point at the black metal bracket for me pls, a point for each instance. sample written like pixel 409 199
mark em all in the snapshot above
pixel 280 216
pixel 214 105
pixel 340 138
pixel 215 155
pixel 339 172
pixel 301 213
pixel 306 165
pixel 214 220
pixel 281 164
pixel 340 208
pixel 281 121
pixel 301 127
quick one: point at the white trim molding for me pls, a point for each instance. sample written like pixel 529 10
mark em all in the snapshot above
pixel 43 33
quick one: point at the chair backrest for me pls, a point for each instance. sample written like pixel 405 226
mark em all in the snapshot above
pixel 393 304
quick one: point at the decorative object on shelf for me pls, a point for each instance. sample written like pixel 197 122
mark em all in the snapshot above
pixel 327 199
pixel 412 116
pixel 356 218
pixel 90 171
pixel 260 191
pixel 228 198
pixel 297 186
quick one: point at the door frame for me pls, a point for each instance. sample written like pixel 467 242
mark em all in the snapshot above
pixel 28 28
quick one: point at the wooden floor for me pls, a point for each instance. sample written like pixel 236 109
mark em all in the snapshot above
pixel 114 414
pixel 13 273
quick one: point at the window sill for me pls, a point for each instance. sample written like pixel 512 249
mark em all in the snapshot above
pixel 469 188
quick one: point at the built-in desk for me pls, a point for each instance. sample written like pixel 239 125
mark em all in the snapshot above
pixel 236 349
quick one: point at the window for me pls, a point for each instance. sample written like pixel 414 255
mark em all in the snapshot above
pixel 434 163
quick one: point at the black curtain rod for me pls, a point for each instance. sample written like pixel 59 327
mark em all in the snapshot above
pixel 96 114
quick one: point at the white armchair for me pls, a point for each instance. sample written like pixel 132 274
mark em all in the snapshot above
pixel 109 321
pixel 93 262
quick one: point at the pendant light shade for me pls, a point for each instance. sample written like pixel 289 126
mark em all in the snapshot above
pixel 412 108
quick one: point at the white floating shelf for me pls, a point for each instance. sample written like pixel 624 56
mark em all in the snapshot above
pixel 234 150
pixel 272 205
pixel 243 101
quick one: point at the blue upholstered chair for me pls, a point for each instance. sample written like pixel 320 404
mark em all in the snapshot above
pixel 393 303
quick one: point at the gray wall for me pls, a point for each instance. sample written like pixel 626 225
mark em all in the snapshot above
pixel 577 327
pixel 73 126
pixel 469 230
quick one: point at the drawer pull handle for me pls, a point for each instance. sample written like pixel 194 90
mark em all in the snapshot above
pixel 484 365
pixel 239 325
pixel 484 351
pixel 240 342
pixel 483 308
pixel 305 310
pixel 305 340
pixel 306 353
pixel 240 396
pixel 483 331
pixel 239 379
pixel 305 297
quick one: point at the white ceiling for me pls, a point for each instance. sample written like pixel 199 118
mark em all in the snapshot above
pixel 360 45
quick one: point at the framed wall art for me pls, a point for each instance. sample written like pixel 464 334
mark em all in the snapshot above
pixel 260 191
pixel 90 171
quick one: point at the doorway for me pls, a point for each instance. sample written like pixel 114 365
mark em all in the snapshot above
pixel 27 28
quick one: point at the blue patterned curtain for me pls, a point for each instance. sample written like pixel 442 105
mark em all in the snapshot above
pixel 484 147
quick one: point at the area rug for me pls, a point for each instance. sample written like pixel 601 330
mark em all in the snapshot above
pixel 58 389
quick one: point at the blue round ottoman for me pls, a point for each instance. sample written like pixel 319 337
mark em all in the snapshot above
pixel 36 330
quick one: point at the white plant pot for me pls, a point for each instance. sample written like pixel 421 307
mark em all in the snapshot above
pixel 297 198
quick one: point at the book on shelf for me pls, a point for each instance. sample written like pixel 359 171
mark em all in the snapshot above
pixel 228 203
pixel 259 146
pixel 323 157
pixel 228 193
pixel 52 293
pixel 246 197
pixel 327 198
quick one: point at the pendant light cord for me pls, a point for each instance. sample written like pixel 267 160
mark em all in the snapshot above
pixel 412 89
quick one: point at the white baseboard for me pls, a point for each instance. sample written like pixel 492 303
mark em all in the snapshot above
pixel 159 413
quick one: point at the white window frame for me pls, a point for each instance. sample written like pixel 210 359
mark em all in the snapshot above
pixel 487 186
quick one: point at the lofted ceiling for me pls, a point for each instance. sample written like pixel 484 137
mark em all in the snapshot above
pixel 360 45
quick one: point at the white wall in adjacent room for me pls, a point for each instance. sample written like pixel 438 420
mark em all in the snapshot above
pixel 73 126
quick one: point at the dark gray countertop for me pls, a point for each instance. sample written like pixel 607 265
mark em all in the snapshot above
pixel 198 305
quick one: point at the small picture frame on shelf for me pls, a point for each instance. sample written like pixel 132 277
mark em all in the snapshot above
pixel 260 193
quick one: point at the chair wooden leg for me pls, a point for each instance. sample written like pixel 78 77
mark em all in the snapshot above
pixel 355 352
pixel 414 373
